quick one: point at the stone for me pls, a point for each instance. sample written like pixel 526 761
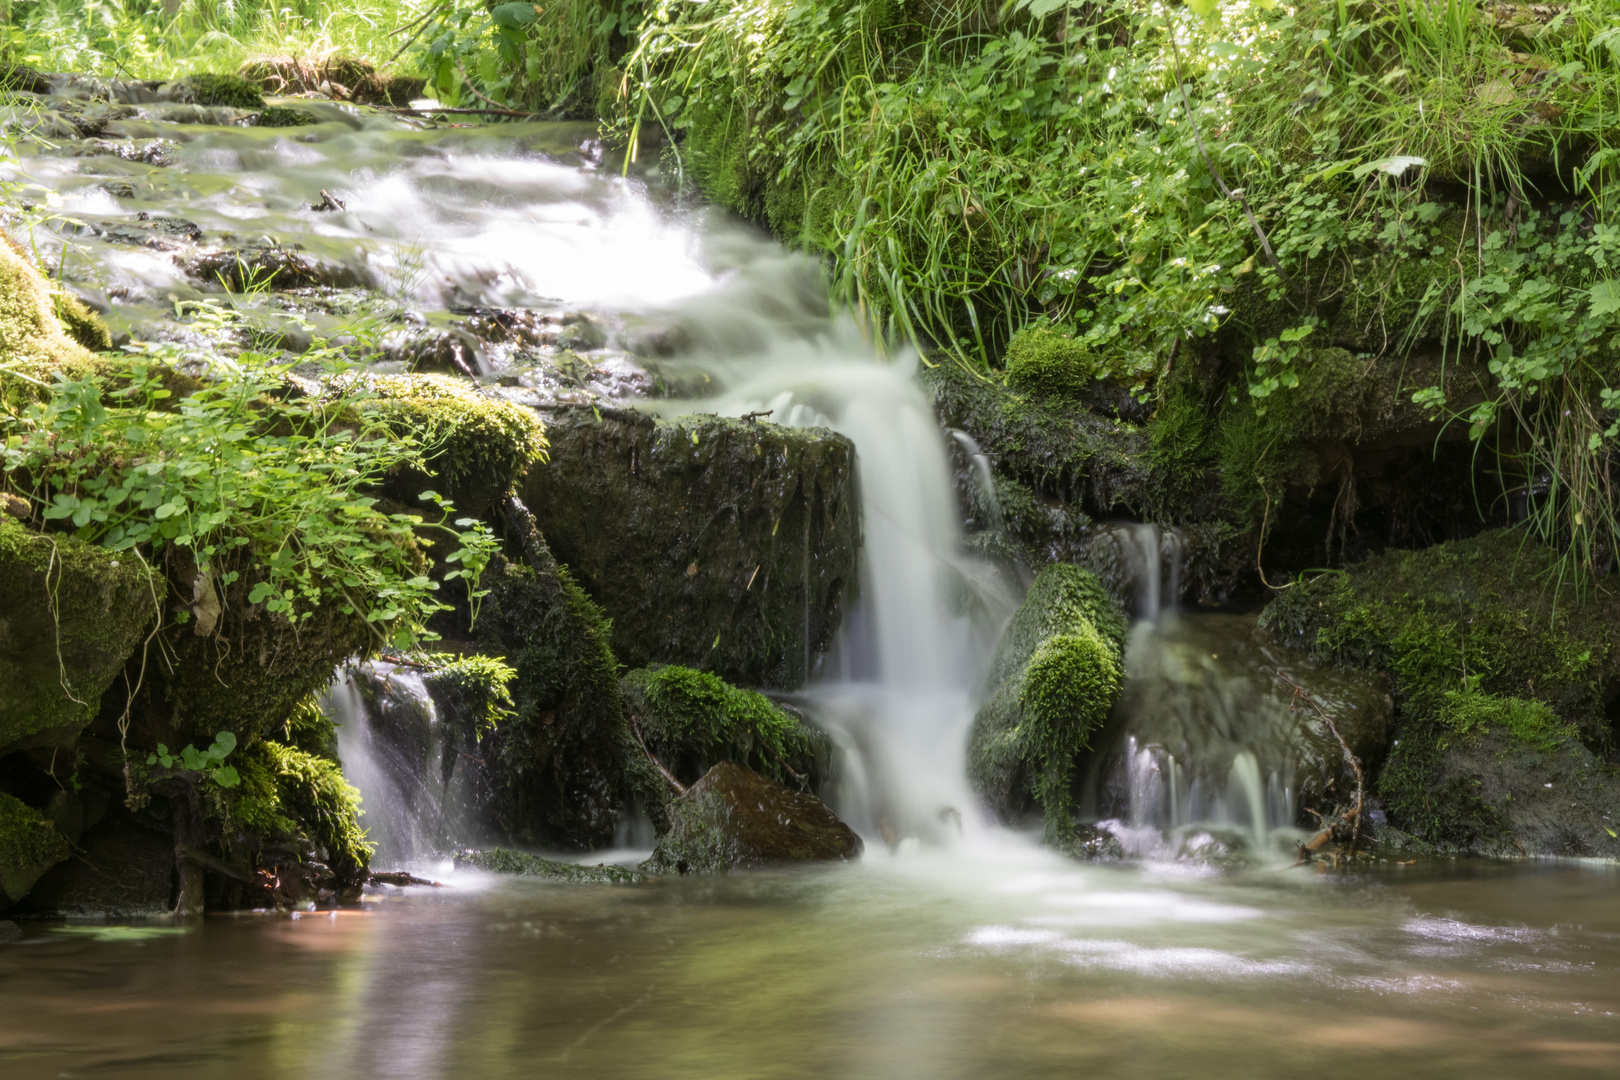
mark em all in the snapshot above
pixel 735 819
pixel 29 846
pixel 124 870
pixel 522 864
pixel 720 544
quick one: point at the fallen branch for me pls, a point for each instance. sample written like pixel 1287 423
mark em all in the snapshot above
pixel 400 878
pixel 462 112
pixel 1353 818
pixel 680 788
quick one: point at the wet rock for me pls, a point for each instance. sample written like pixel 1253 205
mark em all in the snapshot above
pixel 719 544
pixel 1056 675
pixel 338 77
pixel 280 116
pixel 214 89
pixel 20 78
pixel 158 152
pixel 735 819
pixel 1088 843
pixel 71 613
pixel 1503 685
pixel 124 869
pixel 29 846
pixel 10 932
pixel 272 266
pixel 522 864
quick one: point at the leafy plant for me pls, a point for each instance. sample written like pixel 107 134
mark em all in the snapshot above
pixel 208 762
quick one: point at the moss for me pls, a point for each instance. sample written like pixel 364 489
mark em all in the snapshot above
pixel 81 324
pixel 209 88
pixel 29 845
pixel 477 446
pixel 1056 675
pixel 555 769
pixel 34 343
pixel 713 542
pixel 279 116
pixel 1044 363
pixel 286 792
pixel 310 729
pixel 522 864
pixel 690 720
pixel 1489 662
pixel 71 613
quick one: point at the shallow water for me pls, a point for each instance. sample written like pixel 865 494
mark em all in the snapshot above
pixel 1006 963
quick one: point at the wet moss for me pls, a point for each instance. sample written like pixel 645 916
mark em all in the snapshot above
pixel 522 864
pixel 1056 675
pixel 287 793
pixel 691 720
pixel 29 846
pixel 210 88
pixel 34 343
pixel 280 116
pixel 71 613
pixel 477 446
pixel 81 324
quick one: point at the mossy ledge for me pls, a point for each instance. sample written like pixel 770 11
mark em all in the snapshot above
pixel 1504 683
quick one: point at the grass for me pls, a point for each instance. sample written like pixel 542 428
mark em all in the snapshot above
pixel 132 39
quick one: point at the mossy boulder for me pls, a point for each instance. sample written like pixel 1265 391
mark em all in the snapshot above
pixel 209 88
pixel 718 544
pixel 286 795
pixel 29 846
pixel 477 446
pixel 1044 364
pixel 1055 676
pixel 522 864
pixel 280 116
pixel 35 344
pixel 554 772
pixel 1504 683
pixel 71 614
pixel 735 819
pixel 125 869
pixel 689 720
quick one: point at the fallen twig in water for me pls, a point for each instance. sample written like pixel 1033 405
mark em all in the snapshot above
pixel 1353 818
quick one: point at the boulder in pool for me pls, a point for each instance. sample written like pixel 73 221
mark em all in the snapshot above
pixel 735 819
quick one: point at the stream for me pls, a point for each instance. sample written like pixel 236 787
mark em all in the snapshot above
pixel 956 948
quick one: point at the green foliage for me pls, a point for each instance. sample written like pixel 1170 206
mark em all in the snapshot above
pixel 286 793
pixel 1530 722
pixel 474 688
pixel 208 763
pixel 1070 684
pixel 1041 361
pixel 250 486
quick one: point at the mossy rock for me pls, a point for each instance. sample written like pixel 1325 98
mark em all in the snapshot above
pixel 20 78
pixel 35 344
pixel 478 447
pixel 714 543
pixel 71 614
pixel 81 324
pixel 1046 365
pixel 287 793
pixel 125 869
pixel 210 88
pixel 29 846
pixel 1503 683
pixel 522 864
pixel 689 720
pixel 280 116
pixel 1055 677
pixel 736 819
pixel 555 771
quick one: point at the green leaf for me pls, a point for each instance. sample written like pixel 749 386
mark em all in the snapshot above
pixel 1605 298
pixel 226 776
pixel 1203 8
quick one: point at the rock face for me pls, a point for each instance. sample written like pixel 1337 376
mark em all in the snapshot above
pixel 29 846
pixel 736 819
pixel 1504 688
pixel 1056 675
pixel 126 870
pixel 70 614
pixel 718 544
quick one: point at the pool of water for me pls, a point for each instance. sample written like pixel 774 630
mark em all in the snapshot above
pixel 1003 962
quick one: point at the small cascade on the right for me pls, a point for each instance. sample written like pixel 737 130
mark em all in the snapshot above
pixel 1212 753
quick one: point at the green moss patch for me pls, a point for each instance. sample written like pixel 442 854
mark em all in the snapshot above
pixel 29 846
pixel 287 793
pixel 522 864
pixel 215 89
pixel 1056 675
pixel 280 116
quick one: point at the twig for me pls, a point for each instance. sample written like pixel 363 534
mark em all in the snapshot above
pixel 476 93
pixel 1354 817
pixel 680 788
pixel 757 414
pixel 461 112
pixel 422 25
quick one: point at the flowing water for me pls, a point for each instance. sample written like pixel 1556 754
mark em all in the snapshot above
pixel 954 949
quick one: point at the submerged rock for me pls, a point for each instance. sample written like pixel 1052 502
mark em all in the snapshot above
pixel 522 864
pixel 1056 675
pixel 736 819
pixel 1504 686
pixel 720 544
